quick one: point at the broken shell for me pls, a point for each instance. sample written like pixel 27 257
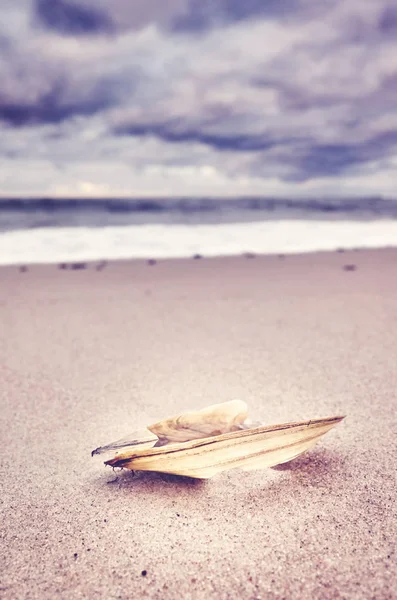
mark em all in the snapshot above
pixel 203 443
pixel 213 420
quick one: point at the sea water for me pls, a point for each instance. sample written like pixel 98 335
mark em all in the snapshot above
pixel 51 230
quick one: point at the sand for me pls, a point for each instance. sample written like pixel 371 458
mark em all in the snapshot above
pixel 88 355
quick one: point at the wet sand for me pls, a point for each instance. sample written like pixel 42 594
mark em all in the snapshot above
pixel 90 353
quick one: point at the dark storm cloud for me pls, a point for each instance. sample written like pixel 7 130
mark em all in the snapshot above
pixel 388 20
pixel 71 18
pixel 168 133
pixel 54 106
pixel 293 87
pixel 306 158
pixel 85 17
pixel 204 14
pixel 334 159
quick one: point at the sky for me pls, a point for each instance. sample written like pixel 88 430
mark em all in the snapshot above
pixel 105 98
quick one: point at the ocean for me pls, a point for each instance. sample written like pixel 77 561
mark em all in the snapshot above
pixel 48 230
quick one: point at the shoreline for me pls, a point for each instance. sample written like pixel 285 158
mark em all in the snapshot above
pixel 100 264
pixel 149 241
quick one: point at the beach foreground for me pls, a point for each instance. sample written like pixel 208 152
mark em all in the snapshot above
pixel 91 353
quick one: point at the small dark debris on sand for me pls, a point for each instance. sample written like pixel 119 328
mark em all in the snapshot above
pixel 101 265
pixel 249 255
pixel 349 267
pixel 281 255
pixel 340 250
pixel 152 261
pixel 23 269
pixel 78 266
pixel 144 573
pixel 197 256
pixel 63 266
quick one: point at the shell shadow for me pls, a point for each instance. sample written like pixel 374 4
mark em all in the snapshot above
pixel 318 468
pixel 317 462
pixel 125 479
pixel 302 482
pixel 307 469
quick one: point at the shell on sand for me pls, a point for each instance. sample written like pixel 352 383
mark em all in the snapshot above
pixel 203 443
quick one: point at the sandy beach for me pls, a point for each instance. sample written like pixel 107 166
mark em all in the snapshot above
pixel 90 353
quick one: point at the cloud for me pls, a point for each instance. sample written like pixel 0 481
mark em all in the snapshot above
pixel 71 18
pixel 53 105
pixel 87 17
pixel 238 95
pixel 206 14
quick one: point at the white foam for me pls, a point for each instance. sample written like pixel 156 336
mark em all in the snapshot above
pixel 51 245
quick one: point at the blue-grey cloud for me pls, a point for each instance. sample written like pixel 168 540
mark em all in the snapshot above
pixel 334 159
pixel 388 20
pixel 87 17
pixel 68 17
pixel 184 133
pixel 289 89
pixel 204 14
pixel 53 106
